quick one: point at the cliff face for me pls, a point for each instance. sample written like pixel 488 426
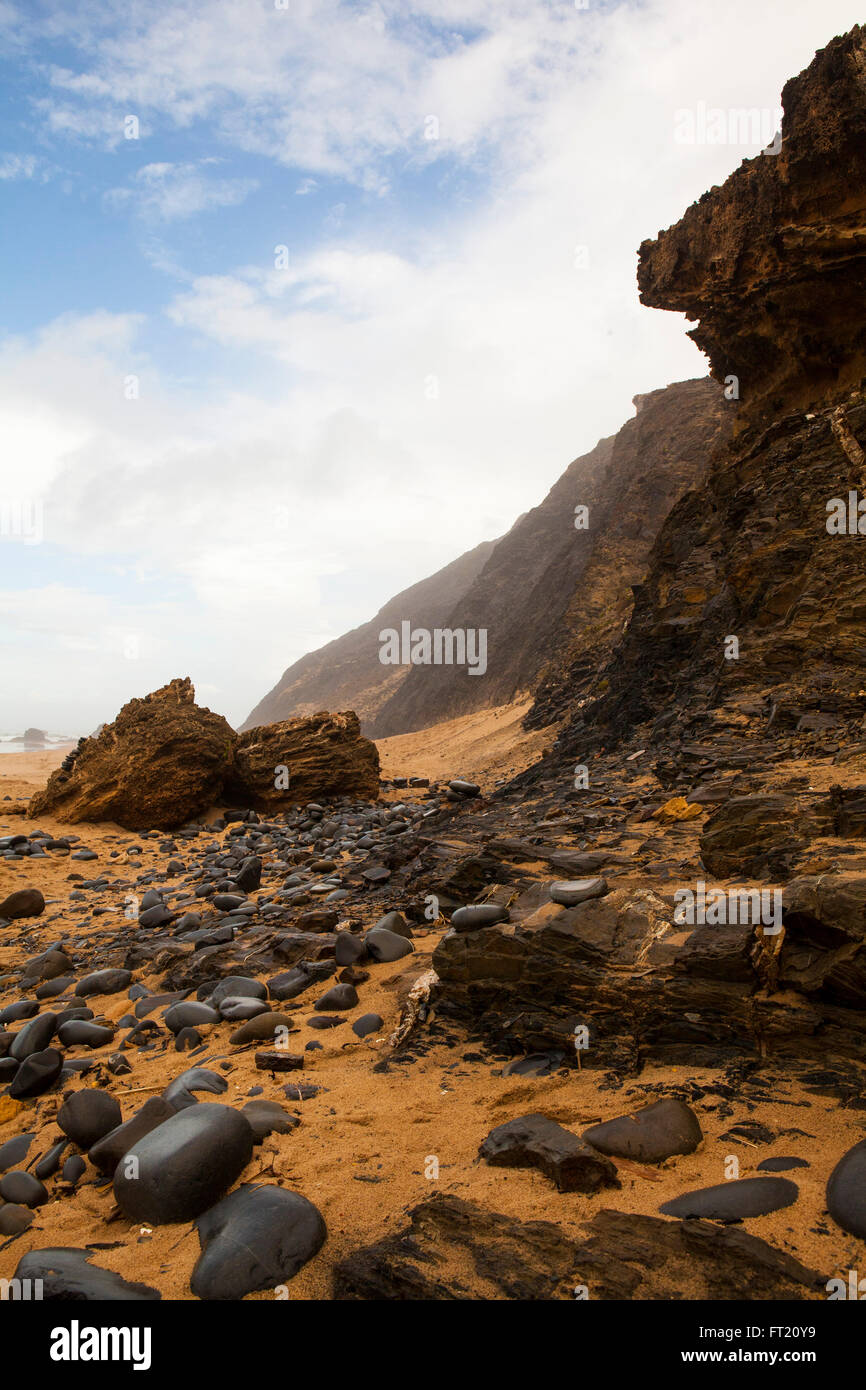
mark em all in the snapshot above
pixel 755 599
pixel 773 263
pixel 656 459
pixel 347 672
pixel 551 595
pixel 555 591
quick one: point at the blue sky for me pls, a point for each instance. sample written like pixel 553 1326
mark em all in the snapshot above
pixel 302 440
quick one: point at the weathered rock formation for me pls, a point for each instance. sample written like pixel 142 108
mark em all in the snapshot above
pixel 648 989
pixel 773 265
pixel 323 756
pixel 162 761
pixel 166 760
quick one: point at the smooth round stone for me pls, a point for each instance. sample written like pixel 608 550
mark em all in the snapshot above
pixel 79 1033
pixel 36 1074
pixel 236 1009
pixel 52 988
pixel 70 1015
pixel 14 1219
pixel 15 1150
pixel 386 946
pixel 261 1028
pixel 846 1191
pixel 464 788
pixel 178 1093
pixel 86 1116
pixel 650 1135
pixel 151 899
pixel 187 1039
pixel 107 1152
pixel 267 1117
pixel 149 1003
pixel 227 901
pixel 395 922
pixel 184 1165
pixel 155 916
pixel 73 1169
pixel 13 1013
pixel 23 1189
pixel 104 982
pixel 33 1037
pixel 367 1023
pixel 189 1014
pixel 25 902
pixel 8 1068
pixel 782 1164
pixel 236 987
pixel 349 948
pixel 66 1274
pixel 336 998
pixel 325 1021
pixel 734 1201
pixel 479 915
pixel 256 1238
pixel 570 893
pixel 48 966
pixel 47 1166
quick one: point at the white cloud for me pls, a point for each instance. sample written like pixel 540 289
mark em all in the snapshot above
pixel 171 192
pixel 17 166
pixel 390 399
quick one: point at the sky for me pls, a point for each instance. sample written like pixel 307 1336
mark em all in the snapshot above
pixel 301 299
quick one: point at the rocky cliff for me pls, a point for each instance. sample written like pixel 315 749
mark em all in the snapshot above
pixel 551 595
pixel 556 588
pixel 656 458
pixel 347 672
pixel 755 598
pixel 723 739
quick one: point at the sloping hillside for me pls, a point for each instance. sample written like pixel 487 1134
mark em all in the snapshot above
pixel 347 673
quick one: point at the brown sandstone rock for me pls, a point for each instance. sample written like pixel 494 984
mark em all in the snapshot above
pixel 161 763
pixel 324 755
pixel 773 263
